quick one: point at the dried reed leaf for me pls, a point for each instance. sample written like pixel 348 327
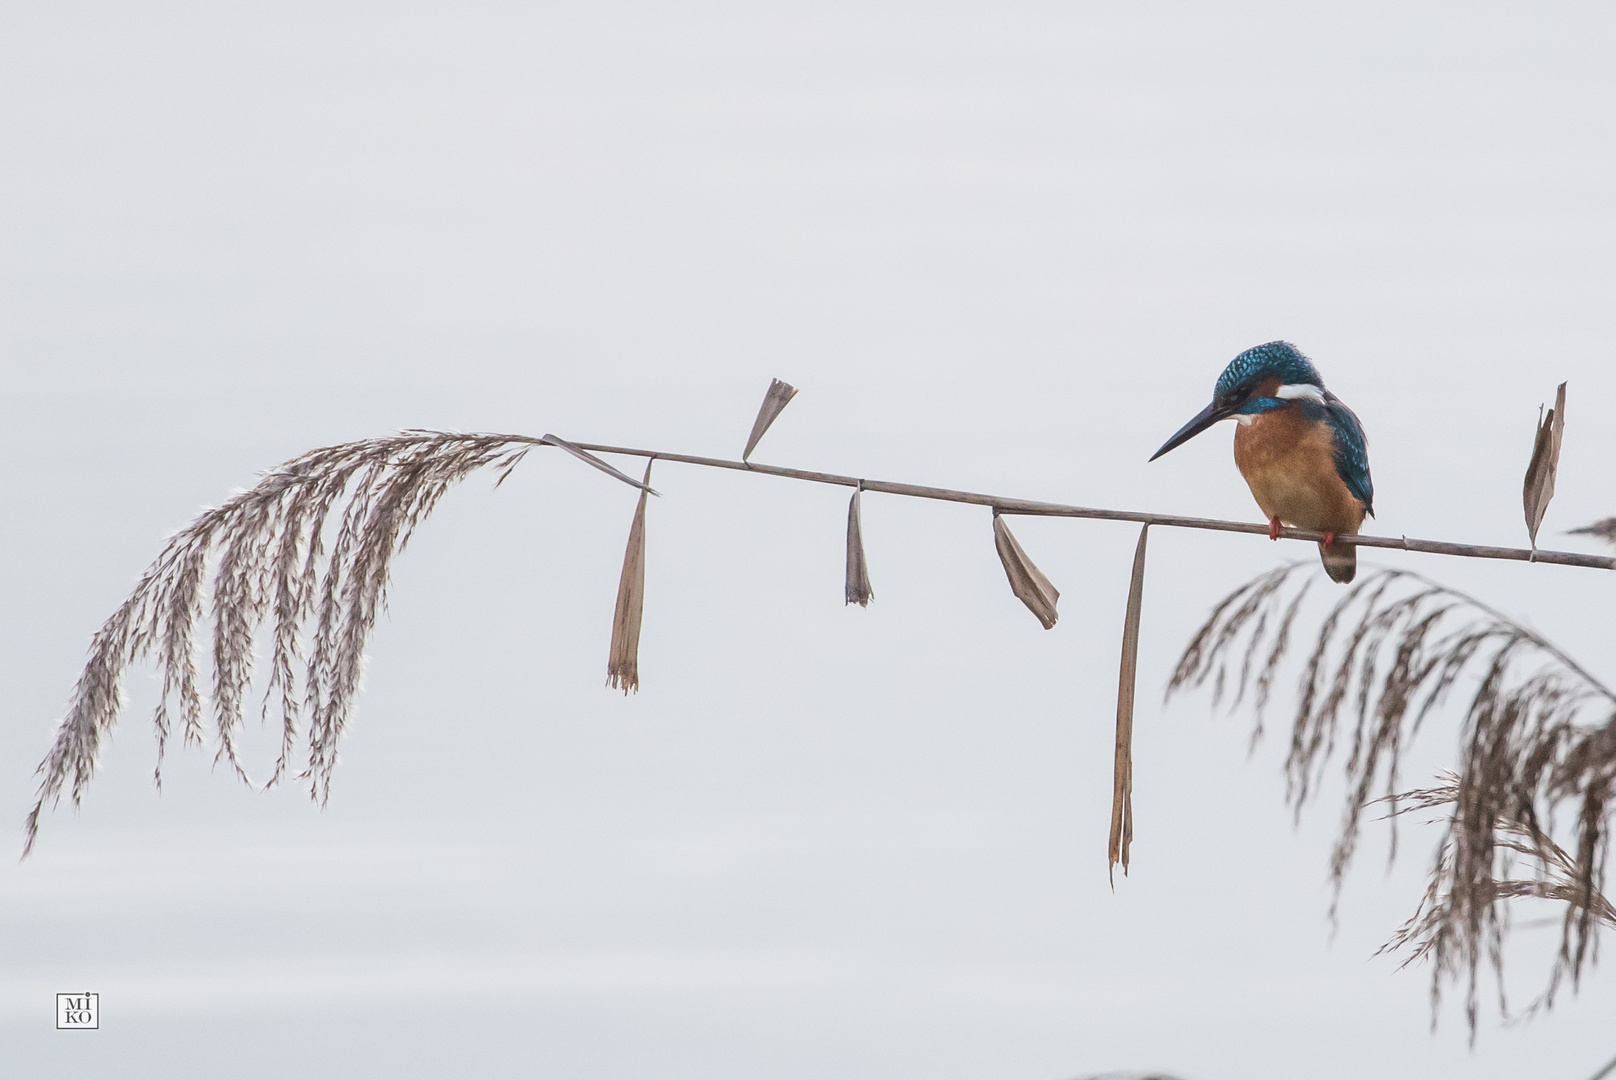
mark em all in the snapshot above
pixel 623 665
pixel 858 589
pixel 1122 775
pixel 1538 738
pixel 271 569
pixel 1026 580
pixel 590 459
pixel 1545 463
pixel 777 398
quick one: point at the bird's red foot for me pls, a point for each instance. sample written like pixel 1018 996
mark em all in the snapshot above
pixel 1329 539
pixel 1273 528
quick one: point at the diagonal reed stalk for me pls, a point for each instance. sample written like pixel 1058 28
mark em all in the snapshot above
pixel 1537 745
pixel 307 552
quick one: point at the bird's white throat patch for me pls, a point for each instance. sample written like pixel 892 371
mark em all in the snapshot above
pixel 1292 391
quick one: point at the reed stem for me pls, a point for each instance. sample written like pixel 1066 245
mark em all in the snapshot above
pixel 1030 508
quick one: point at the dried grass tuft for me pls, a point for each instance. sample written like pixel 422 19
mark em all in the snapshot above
pixel 306 552
pixel 1538 745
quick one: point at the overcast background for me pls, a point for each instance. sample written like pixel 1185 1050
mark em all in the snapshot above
pixel 1005 247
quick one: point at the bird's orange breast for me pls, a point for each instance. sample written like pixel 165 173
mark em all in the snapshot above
pixel 1289 464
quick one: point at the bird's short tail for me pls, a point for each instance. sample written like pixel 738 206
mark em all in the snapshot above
pixel 1340 561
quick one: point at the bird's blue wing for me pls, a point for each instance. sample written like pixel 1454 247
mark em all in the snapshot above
pixel 1351 451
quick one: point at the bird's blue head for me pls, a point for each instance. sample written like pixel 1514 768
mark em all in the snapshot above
pixel 1276 360
pixel 1275 368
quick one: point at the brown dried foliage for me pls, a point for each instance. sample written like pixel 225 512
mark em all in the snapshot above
pixel 779 395
pixel 857 580
pixel 1122 770
pixel 265 552
pixel 1538 487
pixel 1026 580
pixel 623 659
pixel 1537 746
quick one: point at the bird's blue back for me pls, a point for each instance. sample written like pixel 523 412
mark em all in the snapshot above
pixel 1351 446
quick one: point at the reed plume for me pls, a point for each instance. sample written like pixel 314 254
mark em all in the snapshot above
pixel 266 555
pixel 1537 746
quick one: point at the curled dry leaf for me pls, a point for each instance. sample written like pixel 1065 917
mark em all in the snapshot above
pixel 590 459
pixel 858 589
pixel 1545 463
pixel 778 397
pixel 623 664
pixel 1026 580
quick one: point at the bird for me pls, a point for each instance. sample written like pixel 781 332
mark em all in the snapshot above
pixel 1300 449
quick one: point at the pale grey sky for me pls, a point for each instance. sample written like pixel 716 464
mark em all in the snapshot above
pixel 1002 246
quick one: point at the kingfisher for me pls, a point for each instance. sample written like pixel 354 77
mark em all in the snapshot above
pixel 1302 452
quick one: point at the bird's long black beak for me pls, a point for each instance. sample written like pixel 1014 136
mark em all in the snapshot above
pixel 1203 420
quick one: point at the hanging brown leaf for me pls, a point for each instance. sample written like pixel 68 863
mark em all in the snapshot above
pixel 778 397
pixel 858 573
pixel 1539 488
pixel 1026 580
pixel 1122 776
pixel 623 665
pixel 590 459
